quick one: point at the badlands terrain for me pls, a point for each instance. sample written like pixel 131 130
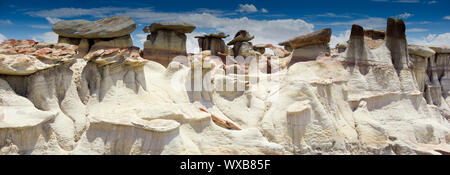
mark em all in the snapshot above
pixel 93 92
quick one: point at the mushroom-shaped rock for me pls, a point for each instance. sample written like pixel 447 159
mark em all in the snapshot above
pixel 420 51
pixel 241 36
pixel 440 49
pixel 166 41
pixel 212 42
pixel 308 47
pixel 181 27
pixel 261 48
pixel 213 35
pixel 318 37
pixel 104 28
pixel 419 56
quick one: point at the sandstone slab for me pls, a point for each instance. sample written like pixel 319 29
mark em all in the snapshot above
pixel 212 42
pixel 440 49
pixel 318 37
pixel 104 28
pixel 241 36
pixel 162 46
pixel 420 51
pixel 181 27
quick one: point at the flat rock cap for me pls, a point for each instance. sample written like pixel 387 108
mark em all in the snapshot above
pixel 241 36
pixel 318 37
pixel 440 49
pixel 213 35
pixel 181 27
pixel 420 50
pixel 395 28
pixel 104 28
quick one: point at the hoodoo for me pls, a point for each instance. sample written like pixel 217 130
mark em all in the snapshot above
pixel 106 33
pixel 93 92
pixel 166 41
pixel 308 47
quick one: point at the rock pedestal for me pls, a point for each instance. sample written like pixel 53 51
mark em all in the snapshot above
pixel 442 68
pixel 261 48
pixel 105 33
pixel 308 47
pixel 396 43
pixel 356 50
pixel 420 56
pixel 242 46
pixel 212 42
pixel 166 41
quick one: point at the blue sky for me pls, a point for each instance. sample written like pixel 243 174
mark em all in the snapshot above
pixel 428 21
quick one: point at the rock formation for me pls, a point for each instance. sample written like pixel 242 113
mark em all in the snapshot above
pixel 396 42
pixel 375 34
pixel 376 97
pixel 105 33
pixel 439 69
pixel 429 85
pixel 166 41
pixel 341 47
pixel 286 46
pixel 213 42
pixel 308 47
pixel 241 44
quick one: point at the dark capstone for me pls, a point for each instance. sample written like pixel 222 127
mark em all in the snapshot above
pixel 357 31
pixel 375 33
pixel 395 28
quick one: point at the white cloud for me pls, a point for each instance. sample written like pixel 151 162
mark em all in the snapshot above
pixel 342 37
pixel 368 23
pixel 74 12
pixel 52 20
pixel 447 17
pixel 433 39
pixel 2 38
pixel 7 21
pixel 247 8
pixel 405 15
pixel 50 37
pixel 37 26
pixel 264 10
pixel 417 22
pixel 416 30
